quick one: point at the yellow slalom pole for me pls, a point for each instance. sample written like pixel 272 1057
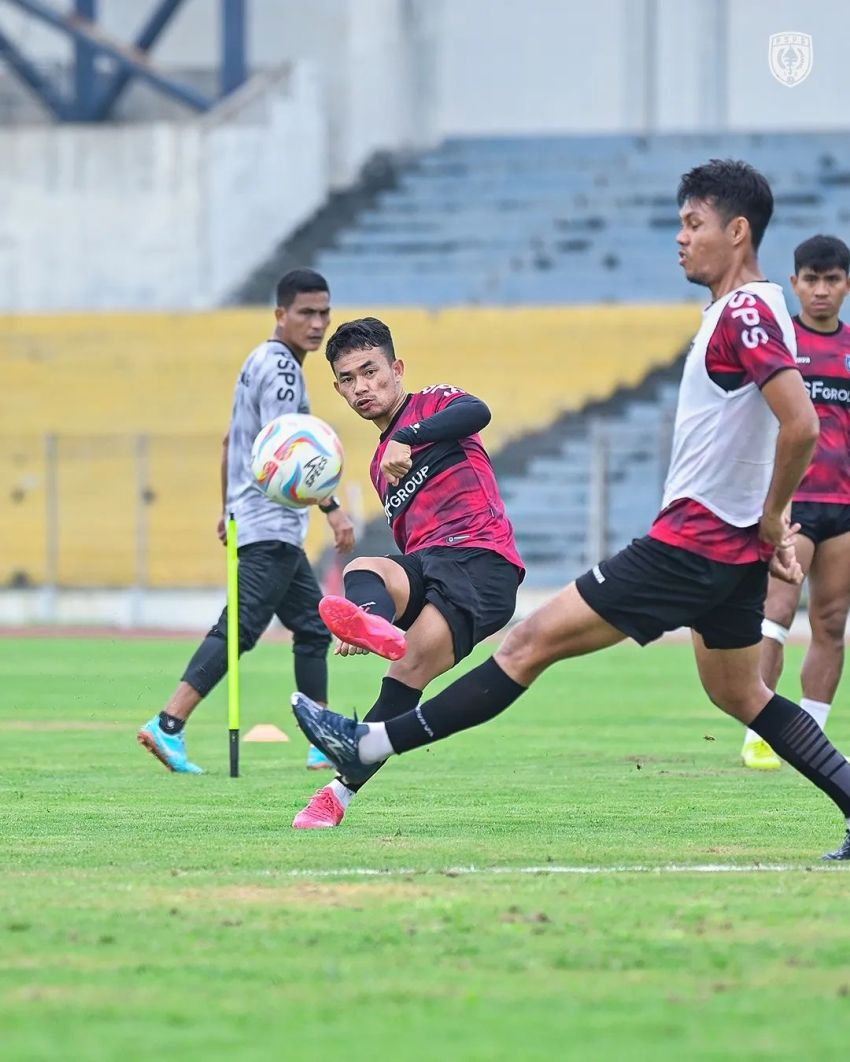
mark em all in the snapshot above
pixel 233 645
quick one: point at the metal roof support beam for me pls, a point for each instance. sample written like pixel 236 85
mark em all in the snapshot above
pixel 34 79
pixel 128 58
pixel 112 88
pixel 233 62
pixel 85 74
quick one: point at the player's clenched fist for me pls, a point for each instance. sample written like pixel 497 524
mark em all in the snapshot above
pixel 396 461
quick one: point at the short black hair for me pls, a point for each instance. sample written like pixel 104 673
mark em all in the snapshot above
pixel 735 189
pixel 821 253
pixel 361 334
pixel 297 282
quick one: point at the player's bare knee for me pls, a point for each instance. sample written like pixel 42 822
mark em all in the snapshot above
pixel 417 671
pixel 360 564
pixel 522 653
pixel 733 705
pixel 829 625
pixel 425 659
pixel 781 612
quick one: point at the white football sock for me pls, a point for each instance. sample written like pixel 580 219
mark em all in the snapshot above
pixel 375 746
pixel 343 794
pixel 817 710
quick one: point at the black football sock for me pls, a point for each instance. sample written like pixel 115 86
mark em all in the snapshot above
pixel 170 723
pixel 394 699
pixel 311 676
pixel 797 738
pixel 474 698
pixel 369 591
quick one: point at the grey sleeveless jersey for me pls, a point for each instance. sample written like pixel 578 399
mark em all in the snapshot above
pixel 271 383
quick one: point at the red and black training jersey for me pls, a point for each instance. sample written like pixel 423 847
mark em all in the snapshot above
pixel 731 361
pixel 450 496
pixel 824 360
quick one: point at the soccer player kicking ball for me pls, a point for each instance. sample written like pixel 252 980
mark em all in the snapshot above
pixel 745 432
pixel 822 501
pixel 457 579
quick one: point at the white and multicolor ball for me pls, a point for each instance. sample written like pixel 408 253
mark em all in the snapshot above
pixel 296 460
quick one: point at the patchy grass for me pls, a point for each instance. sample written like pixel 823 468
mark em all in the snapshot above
pixel 146 914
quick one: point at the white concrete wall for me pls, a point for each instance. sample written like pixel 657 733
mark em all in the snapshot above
pixel 97 217
pixel 189 611
pixel 367 54
pixel 159 215
pixel 757 100
pixel 264 170
pixel 552 66
pixel 540 66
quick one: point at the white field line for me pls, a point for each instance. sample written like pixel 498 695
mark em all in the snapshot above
pixel 670 868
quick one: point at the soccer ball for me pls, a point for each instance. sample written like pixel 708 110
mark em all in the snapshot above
pixel 296 460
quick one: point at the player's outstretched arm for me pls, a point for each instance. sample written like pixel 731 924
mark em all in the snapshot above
pixel 464 416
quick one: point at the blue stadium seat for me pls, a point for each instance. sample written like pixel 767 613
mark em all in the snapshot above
pixel 550 503
pixel 558 219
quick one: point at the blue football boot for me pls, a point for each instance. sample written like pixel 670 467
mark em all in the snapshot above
pixel 169 749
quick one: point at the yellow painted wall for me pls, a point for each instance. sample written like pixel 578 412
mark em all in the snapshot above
pixel 91 377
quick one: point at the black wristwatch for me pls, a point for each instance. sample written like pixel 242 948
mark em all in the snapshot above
pixel 329 505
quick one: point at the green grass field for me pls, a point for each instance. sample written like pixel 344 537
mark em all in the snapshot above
pixel 146 915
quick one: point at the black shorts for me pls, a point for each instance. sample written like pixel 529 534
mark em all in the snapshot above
pixel 473 589
pixel 821 520
pixel 276 579
pixel 649 588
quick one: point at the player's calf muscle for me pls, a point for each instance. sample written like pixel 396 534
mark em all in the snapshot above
pixel 742 703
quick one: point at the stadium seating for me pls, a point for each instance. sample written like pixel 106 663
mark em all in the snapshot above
pixel 139 404
pixel 554 220
pixel 599 490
